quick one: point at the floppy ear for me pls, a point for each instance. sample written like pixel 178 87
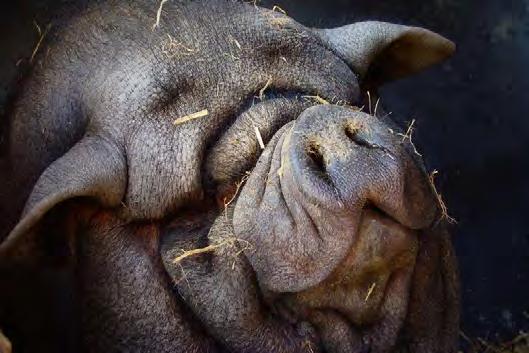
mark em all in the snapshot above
pixel 379 52
pixel 94 167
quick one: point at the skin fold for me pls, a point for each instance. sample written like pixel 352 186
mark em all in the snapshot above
pixel 124 229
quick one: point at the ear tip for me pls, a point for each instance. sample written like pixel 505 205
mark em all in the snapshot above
pixel 438 47
pixel 446 45
pixel 443 45
pixel 452 47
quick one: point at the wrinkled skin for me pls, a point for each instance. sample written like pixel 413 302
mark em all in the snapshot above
pixel 330 239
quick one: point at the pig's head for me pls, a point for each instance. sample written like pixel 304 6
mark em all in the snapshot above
pixel 328 239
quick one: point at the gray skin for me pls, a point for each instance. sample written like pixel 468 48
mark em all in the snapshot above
pixel 328 240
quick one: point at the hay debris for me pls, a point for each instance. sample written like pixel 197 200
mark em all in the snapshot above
pixel 198 251
pixel 376 107
pixel 236 42
pixel 408 136
pixel 370 291
pixel 227 243
pixel 369 101
pixel 39 31
pixel 171 48
pixel 278 17
pixel 409 131
pixel 189 117
pixel 259 137
pixel 317 99
pixel 237 189
pixel 355 109
pixel 41 38
pixel 281 169
pixel 276 8
pixel 372 112
pixel 159 14
pixel 519 344
pixel 442 205
pixel 253 2
pixel 265 87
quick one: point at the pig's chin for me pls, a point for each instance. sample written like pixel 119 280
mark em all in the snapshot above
pixel 366 295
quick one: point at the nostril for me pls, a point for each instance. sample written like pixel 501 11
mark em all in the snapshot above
pixel 352 129
pixel 314 151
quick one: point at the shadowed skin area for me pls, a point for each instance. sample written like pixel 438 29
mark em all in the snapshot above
pixel 329 239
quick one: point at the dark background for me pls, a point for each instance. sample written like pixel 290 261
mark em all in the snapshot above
pixel 472 125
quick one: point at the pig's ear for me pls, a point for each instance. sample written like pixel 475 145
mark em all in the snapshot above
pixel 93 168
pixel 379 52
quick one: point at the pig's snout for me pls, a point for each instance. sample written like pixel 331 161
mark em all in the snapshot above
pixel 346 158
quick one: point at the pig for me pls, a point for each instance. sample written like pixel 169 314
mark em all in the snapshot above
pixel 202 177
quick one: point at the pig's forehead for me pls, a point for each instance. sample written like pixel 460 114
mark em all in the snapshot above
pixel 258 39
pixel 200 53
